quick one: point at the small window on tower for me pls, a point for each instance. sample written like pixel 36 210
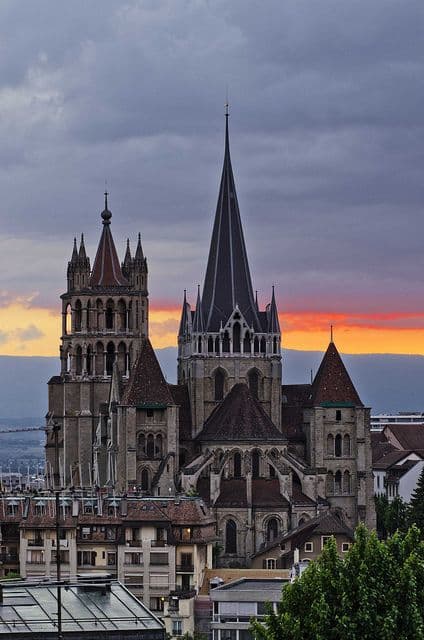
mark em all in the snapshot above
pixel 338 414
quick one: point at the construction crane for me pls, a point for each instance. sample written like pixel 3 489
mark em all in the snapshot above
pixel 22 429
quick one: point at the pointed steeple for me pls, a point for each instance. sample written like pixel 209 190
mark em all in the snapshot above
pixel 139 251
pixel 273 321
pixel 147 385
pixel 74 257
pixel 82 254
pixel 332 383
pixel 198 325
pixel 227 280
pixel 127 259
pixel 106 269
pixel 185 315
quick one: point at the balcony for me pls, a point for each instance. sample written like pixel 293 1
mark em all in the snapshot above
pixel 185 568
pixel 183 593
pixel 36 542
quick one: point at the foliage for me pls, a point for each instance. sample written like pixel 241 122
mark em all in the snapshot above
pixel 375 593
pixel 192 492
pixel 416 505
pixel 391 516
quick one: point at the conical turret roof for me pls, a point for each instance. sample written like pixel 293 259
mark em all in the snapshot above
pixel 106 269
pixel 227 280
pixel 332 383
pixel 147 385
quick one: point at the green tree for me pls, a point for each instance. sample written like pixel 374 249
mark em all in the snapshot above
pixel 375 593
pixel 416 505
pixel 391 516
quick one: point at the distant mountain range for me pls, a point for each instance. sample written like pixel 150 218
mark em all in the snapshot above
pixel 387 383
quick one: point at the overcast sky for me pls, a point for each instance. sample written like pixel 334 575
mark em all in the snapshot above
pixel 327 142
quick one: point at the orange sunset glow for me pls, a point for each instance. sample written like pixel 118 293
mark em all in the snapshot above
pixel 32 331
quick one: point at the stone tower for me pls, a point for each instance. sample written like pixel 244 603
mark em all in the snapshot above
pixel 104 320
pixel 228 339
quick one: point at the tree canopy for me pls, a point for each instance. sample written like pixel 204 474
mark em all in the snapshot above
pixel 374 593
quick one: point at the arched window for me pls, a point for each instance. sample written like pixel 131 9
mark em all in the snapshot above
pixel 346 445
pixel 78 361
pixel 271 529
pixel 263 345
pixel 275 345
pixel 110 358
pixel 346 482
pixel 89 316
pixel 99 314
pixel 158 446
pixel 236 337
pixel 199 345
pixel 330 445
pixel 246 343
pixel 99 358
pixel 144 480
pixel 109 315
pixel 89 360
pixel 142 443
pixel 255 464
pixel 150 449
pixel 338 446
pixel 77 315
pixel 217 344
pixel 253 379
pixel 230 537
pixel 68 321
pixel 338 483
pixel 237 465
pixel 256 345
pixel 210 344
pixel 122 315
pixel 226 343
pixel 219 385
pixel 330 483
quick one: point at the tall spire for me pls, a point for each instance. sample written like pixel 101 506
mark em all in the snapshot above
pixel 106 269
pixel 74 256
pixel 227 280
pixel 273 321
pixel 139 251
pixel 198 325
pixel 127 258
pixel 82 254
pixel 185 312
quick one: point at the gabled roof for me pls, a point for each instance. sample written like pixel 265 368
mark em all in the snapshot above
pixel 147 385
pixel 332 383
pixel 240 417
pixel 407 436
pixel 393 458
pixel 106 269
pixel 227 280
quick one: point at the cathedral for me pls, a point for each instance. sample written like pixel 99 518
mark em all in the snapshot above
pixel 264 456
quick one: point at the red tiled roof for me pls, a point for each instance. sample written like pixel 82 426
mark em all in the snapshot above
pixel 147 384
pixel 106 269
pixel 240 417
pixel 332 382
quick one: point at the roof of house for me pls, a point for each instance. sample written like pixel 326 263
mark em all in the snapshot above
pixel 240 417
pixel 147 385
pixel 332 383
pixel 409 436
pixel 229 575
pixel 391 459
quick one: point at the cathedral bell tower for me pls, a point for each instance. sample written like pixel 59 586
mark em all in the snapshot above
pixel 104 319
pixel 227 339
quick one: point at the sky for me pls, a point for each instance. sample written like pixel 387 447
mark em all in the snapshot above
pixel 327 143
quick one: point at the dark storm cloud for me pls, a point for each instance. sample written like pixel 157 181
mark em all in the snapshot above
pixel 327 133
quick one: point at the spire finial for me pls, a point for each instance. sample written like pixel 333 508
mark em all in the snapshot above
pixel 331 333
pixel 106 214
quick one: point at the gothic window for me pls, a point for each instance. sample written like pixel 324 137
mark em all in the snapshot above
pixel 130 320
pixel 68 321
pixel 255 464
pixel 253 379
pixel 246 343
pixel 158 446
pixel 122 315
pixel 230 537
pixel 271 471
pixel 109 315
pixel 346 482
pixel 144 480
pixel 330 445
pixel 237 465
pixel 150 449
pixel 226 343
pixel 338 446
pixel 142 443
pixel 236 337
pixel 219 385
pixel 256 345
pixel 77 315
pixel 99 358
pixel 330 483
pixel 78 361
pixel 110 358
pixel 263 345
pixel 89 316
pixel 346 445
pixel 99 314
pixel 271 529
pixel 338 483
pixel 275 345
pixel 217 345
pixel 199 345
pixel 210 344
pixel 89 361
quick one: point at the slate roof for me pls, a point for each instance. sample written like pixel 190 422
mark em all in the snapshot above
pixel 239 417
pixel 227 280
pixel 409 436
pixel 332 383
pixel 233 493
pixel 380 446
pixel 265 493
pixel 147 385
pixel 181 398
pixel 106 269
